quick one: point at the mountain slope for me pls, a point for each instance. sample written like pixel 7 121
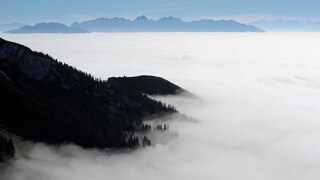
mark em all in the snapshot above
pixel 7 149
pixel 48 101
pixel 147 84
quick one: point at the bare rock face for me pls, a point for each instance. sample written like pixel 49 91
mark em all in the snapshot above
pixel 35 67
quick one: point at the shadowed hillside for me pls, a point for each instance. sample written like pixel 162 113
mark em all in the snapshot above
pixel 150 85
pixel 44 100
pixel 7 149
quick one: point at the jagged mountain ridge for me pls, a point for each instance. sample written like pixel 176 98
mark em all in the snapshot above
pixel 140 24
pixel 44 100
pixel 165 24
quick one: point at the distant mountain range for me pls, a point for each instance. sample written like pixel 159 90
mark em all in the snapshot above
pixel 140 24
pixel 46 28
pixel 7 27
pixel 166 24
pixel 287 25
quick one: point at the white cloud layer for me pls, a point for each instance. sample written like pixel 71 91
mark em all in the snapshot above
pixel 259 106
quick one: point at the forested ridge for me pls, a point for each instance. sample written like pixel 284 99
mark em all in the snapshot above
pixel 45 100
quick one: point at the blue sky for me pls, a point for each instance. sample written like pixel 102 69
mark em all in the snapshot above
pixel 67 11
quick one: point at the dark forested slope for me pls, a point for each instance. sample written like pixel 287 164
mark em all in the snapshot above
pixel 44 100
pixel 7 149
pixel 150 85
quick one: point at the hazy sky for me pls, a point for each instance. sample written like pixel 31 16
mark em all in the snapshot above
pixel 67 11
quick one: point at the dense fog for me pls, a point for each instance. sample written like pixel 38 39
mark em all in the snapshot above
pixel 257 106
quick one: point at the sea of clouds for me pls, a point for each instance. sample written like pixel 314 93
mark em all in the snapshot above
pixel 258 106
